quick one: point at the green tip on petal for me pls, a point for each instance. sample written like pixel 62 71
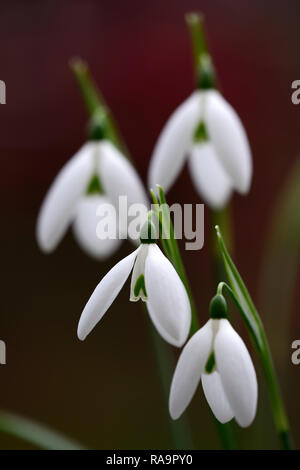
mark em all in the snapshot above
pixel 140 287
pixel 211 363
pixel 95 186
pixel 201 134
pixel 218 307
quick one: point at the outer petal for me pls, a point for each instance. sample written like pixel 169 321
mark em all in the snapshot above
pixel 168 303
pixel 215 395
pixel 104 295
pixel 119 178
pixel 229 139
pixel 174 142
pixel 85 225
pixel 189 368
pixel 59 204
pixel 237 373
pixel 208 175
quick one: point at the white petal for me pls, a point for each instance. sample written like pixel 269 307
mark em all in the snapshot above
pixel 237 373
pixel 138 270
pixel 119 178
pixel 60 202
pixel 174 143
pixel 168 304
pixel 104 295
pixel 189 368
pixel 208 175
pixel 85 225
pixel 215 396
pixel 229 139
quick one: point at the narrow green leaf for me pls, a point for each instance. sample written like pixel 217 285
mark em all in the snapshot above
pixel 241 292
pixel 243 301
pixel 35 433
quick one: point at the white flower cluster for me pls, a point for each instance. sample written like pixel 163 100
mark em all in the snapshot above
pixel 206 130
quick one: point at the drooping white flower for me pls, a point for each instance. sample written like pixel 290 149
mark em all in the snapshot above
pixel 84 227
pixel 205 128
pixel 68 201
pixel 156 282
pixel 217 355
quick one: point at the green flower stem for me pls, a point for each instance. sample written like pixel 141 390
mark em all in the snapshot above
pixel 35 433
pixel 195 23
pixel 180 430
pixel 163 235
pixel 204 68
pixel 90 94
pixel 222 218
pixel 95 103
pixel 251 318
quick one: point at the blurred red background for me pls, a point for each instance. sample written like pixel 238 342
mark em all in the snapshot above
pixel 105 392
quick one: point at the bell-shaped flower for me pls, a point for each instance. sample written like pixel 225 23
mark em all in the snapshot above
pixel 97 174
pixel 155 281
pixel 217 355
pixel 206 129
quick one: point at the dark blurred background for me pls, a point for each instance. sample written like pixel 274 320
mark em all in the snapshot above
pixel 105 392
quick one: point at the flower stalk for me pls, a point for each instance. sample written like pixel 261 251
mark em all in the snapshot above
pixel 205 71
pixel 180 431
pixel 241 297
pixel 97 110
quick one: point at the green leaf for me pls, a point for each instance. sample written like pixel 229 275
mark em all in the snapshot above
pixel 35 433
pixel 243 301
pixel 248 309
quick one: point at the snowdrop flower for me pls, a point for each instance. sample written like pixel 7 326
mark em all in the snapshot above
pixel 154 280
pixel 206 129
pixel 217 355
pixel 96 175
